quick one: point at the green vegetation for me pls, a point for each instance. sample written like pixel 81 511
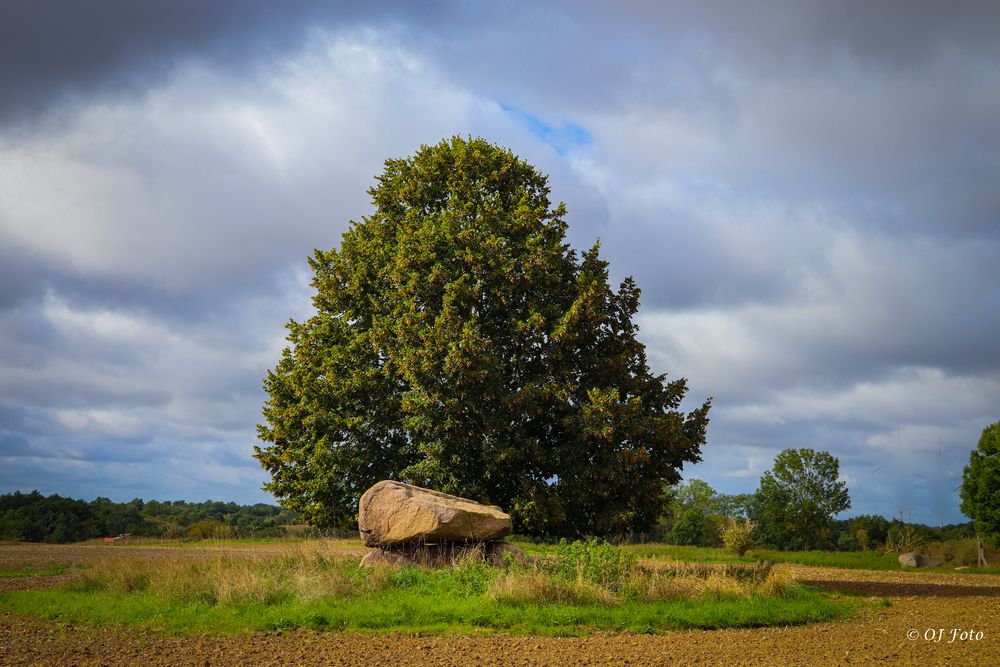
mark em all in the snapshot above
pixel 33 570
pixel 584 587
pixel 697 515
pixel 738 536
pixel 32 517
pixel 798 498
pixel 854 560
pixel 981 485
pixel 459 343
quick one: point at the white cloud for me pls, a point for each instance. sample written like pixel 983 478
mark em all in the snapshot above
pixel 207 180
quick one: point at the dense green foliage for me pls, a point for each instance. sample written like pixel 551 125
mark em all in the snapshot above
pixel 695 513
pixel 798 498
pixel 459 343
pixel 592 561
pixel 32 517
pixel 690 528
pixel 981 485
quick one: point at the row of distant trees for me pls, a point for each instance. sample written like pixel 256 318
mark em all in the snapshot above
pixel 793 508
pixel 33 517
pixel 698 515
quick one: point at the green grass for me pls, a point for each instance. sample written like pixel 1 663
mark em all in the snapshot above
pixel 426 607
pixel 868 560
pixel 582 588
pixel 33 570
pixel 852 560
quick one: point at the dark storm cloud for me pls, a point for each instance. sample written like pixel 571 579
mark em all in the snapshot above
pixel 61 49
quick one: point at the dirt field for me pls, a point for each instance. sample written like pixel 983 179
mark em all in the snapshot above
pixel 921 604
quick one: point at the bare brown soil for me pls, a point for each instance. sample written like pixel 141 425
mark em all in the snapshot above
pixel 921 603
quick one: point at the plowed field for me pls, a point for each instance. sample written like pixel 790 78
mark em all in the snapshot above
pixel 922 604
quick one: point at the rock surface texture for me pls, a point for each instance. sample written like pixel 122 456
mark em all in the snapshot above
pixel 393 513
pixel 410 525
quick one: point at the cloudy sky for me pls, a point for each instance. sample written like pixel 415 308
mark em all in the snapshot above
pixel 807 194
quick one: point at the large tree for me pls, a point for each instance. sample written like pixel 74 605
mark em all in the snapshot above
pixel 460 343
pixel 981 485
pixel 799 497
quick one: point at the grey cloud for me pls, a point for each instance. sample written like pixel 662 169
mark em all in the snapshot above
pixel 63 50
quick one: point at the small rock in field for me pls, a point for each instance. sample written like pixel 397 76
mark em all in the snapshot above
pixel 917 560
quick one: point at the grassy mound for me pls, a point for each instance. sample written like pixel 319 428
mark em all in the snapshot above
pixel 578 588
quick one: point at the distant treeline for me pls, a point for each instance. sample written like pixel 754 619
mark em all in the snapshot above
pixel 32 517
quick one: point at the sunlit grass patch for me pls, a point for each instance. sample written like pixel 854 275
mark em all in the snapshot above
pixel 33 570
pixel 585 586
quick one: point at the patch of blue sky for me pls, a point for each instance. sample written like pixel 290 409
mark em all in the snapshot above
pixel 563 137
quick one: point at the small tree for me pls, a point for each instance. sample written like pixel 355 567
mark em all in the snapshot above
pixel 798 498
pixel 861 537
pixel 903 538
pixel 981 485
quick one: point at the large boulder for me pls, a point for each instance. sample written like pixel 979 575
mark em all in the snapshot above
pixel 917 560
pixel 392 513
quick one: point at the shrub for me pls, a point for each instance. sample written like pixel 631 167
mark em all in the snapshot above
pixel 945 552
pixel 208 529
pixel 738 536
pixel 902 540
pixel 779 583
pixel 861 537
pixel 967 552
pixel 592 562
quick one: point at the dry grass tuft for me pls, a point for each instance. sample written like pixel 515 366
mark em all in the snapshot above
pixel 297 573
pixel 658 587
pixel 534 586
pixel 779 584
pixel 689 581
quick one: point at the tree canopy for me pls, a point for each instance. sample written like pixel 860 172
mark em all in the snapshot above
pixel 459 343
pixel 981 485
pixel 799 497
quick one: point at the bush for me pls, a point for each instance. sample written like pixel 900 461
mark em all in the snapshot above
pixel 208 529
pixel 902 539
pixel 591 562
pixel 967 552
pixel 944 552
pixel 738 536
pixel 861 537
